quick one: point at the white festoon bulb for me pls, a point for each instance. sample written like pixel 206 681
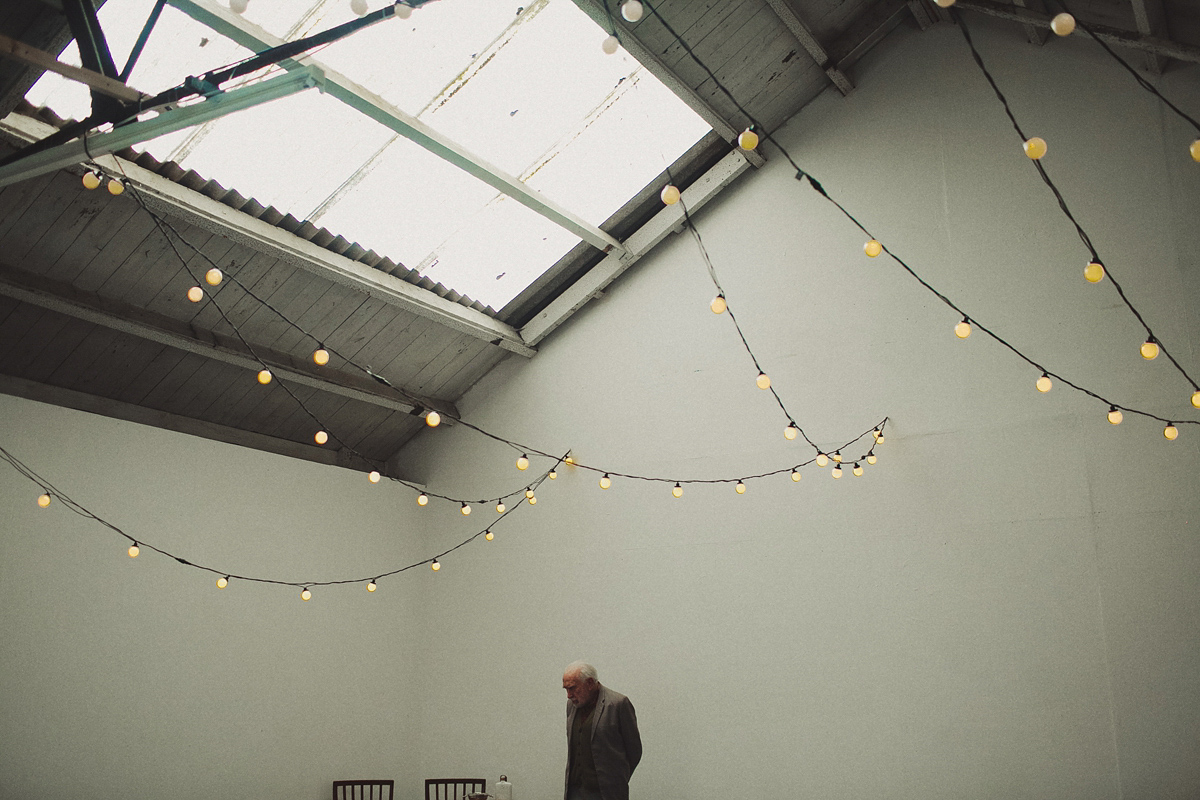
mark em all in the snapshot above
pixel 503 789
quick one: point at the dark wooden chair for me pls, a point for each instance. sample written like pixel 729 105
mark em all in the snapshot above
pixel 453 788
pixel 363 790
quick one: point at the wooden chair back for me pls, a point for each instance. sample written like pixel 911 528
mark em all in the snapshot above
pixel 363 790
pixel 453 788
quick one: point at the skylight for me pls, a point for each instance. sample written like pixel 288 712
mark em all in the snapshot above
pixel 526 89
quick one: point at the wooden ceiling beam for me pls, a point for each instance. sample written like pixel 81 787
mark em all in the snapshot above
pixel 65 299
pixel 808 41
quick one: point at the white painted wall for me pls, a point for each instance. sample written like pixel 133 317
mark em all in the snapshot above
pixel 1005 606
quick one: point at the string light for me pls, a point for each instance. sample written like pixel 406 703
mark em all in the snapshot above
pixel 552 475
pixel 214 277
pixel 489 535
pixel 44 500
pixel 115 187
pixel 422 499
pixel 791 431
pixel 1114 415
pixel 837 456
pixel 528 492
pixel 569 460
pixel 677 491
pixel 91 179
pixel 1093 272
pixel 359 7
pixel 134 550
pixel 871 459
pixel 523 462
pixel 879 439
pixel 305 594
pixel 858 470
pixel 963 329
pixel 945 3
pixel 403 10
pixel 872 248
pixel 320 356
pixel 632 10
pixel 1062 24
pixel 466 510
pixel 1194 149
pixel 1171 432
pixel 605 481
pixel 762 381
pixel 796 475
pixel 740 488
pixel 373 476
pixel 1044 384
pixel 500 507
pixel 1149 349
pixel 1196 399
pixel 669 195
pixel 436 565
pixel 320 437
pixel 195 294
pixel 718 304
pixel 609 46
pixel 222 582
pixel 822 460
pixel 837 471
pixel 433 419
pixel 264 376
pixel 371 586
pixel 748 139
pixel 532 501
pixel 1035 147
pixel 238 6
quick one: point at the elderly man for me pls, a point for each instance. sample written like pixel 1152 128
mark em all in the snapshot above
pixel 603 744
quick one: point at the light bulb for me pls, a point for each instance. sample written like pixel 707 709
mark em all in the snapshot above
pixel 115 187
pixel 632 10
pixel 677 491
pixel 879 439
pixel 359 7
pixel 264 376
pixel 1062 24
pixel 762 381
pixel 214 277
pixel 605 481
pixel 963 329
pixel 529 492
pixel 876 433
pixel 669 195
pixel 871 459
pixel 796 475
pixel 371 586
pixel 134 550
pixel 489 535
pixel 500 507
pixel 532 501
pixel 422 499
pixel 858 470
pixel 373 476
pixel 195 294
pixel 609 46
pixel 748 139
pixel 222 582
pixel 433 419
pixel 837 471
pixel 718 304
pixel 238 6
pixel 44 500
pixel 305 594
pixel 1171 432
pixel 1196 400
pixel 1044 383
pixel 466 510
pixel 435 566
pixel 1093 272
pixel 1035 147
pixel 945 3
pixel 740 488
pixel 569 460
pixel 320 356
pixel 822 460
pixel 523 462
pixel 91 180
pixel 1149 349
pixel 552 475
pixel 403 10
pixel 1194 149
pixel 872 248
pixel 791 431
pixel 1114 415
pixel 320 437
pixel 837 456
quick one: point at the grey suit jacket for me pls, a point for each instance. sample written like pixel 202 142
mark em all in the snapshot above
pixel 616 743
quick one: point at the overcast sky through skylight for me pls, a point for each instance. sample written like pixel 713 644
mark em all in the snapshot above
pixel 530 92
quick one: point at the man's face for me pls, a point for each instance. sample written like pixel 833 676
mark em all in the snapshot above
pixel 580 692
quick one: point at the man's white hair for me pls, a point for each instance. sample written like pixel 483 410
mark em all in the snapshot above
pixel 582 669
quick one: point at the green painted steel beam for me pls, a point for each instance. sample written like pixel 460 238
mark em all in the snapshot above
pixel 168 121
pixel 251 36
